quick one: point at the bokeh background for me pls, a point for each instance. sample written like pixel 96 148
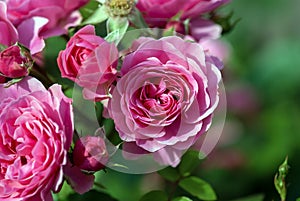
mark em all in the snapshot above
pixel 262 80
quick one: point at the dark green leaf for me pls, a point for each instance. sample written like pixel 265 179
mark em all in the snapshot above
pixel 97 17
pixel 252 198
pixel 155 195
pixel 170 174
pixel 88 9
pixel 189 162
pixel 183 198
pixel 91 195
pixel 199 188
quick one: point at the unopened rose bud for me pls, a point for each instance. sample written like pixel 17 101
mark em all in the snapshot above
pixel 15 61
pixel 90 153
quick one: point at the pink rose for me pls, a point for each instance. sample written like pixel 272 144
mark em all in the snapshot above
pixel 91 62
pixel 165 97
pixel 90 153
pixel 9 34
pixel 36 20
pixel 158 12
pixel 78 48
pixel 15 62
pixel 36 127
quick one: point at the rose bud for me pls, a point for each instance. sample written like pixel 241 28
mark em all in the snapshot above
pixel 90 153
pixel 15 61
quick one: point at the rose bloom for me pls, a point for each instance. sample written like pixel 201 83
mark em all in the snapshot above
pixel 36 20
pixel 9 34
pixel 158 12
pixel 91 62
pixel 13 62
pixel 165 97
pixel 36 127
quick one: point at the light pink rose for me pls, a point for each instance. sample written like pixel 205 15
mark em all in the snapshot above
pixel 15 62
pixel 91 62
pixel 165 97
pixel 90 153
pixel 36 127
pixel 9 34
pixel 36 20
pixel 158 12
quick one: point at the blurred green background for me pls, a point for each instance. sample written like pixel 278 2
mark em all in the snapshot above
pixel 262 80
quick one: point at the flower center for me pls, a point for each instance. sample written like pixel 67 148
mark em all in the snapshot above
pixel 120 7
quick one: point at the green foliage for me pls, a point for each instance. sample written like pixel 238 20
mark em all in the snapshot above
pixel 91 195
pixel 155 195
pixel 183 198
pixel 189 162
pixel 99 15
pixel 197 187
pixel 280 179
pixel 116 28
pixel 89 9
pixel 251 198
pixel 170 174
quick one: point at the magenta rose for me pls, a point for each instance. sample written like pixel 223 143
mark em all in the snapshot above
pixel 36 127
pixel 9 34
pixel 90 153
pixel 36 20
pixel 91 62
pixel 165 97
pixel 158 12
pixel 15 62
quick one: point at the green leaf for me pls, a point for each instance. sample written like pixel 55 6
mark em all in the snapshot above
pixel 252 198
pixel 99 15
pixel 183 198
pixel 198 188
pixel 189 161
pixel 88 9
pixel 155 195
pixel 170 174
pixel 116 28
pixel 279 179
pixel 117 23
pixel 298 199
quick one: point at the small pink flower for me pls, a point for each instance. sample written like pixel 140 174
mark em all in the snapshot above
pixel 15 62
pixel 36 20
pixel 90 153
pixel 36 127
pixel 165 97
pixel 91 62
pixel 9 34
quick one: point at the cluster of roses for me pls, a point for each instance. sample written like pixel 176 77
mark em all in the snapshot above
pixel 161 95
